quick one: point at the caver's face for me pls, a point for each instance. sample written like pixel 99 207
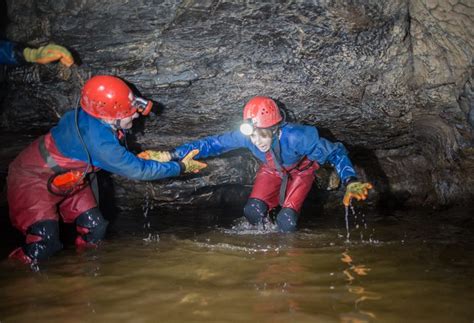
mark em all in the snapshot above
pixel 127 123
pixel 262 139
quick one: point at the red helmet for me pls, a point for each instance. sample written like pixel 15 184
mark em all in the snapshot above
pixel 108 97
pixel 262 111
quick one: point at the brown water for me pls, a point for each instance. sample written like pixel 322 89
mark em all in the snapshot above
pixel 406 267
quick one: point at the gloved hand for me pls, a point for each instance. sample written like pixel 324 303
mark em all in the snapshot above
pixel 157 155
pixel 191 165
pixel 357 190
pixel 47 54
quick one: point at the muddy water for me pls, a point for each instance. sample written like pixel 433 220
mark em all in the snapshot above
pixel 406 266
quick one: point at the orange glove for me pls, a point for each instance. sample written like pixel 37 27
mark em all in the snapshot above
pixel 47 54
pixel 156 155
pixel 357 190
pixel 191 165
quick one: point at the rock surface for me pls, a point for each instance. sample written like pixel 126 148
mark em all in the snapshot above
pixel 392 80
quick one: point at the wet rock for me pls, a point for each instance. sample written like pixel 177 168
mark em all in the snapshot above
pixel 390 79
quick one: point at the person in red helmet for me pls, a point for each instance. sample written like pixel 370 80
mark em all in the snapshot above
pixel 50 177
pixel 289 153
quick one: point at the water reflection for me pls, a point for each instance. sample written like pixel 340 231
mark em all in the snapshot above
pixel 352 274
pixel 278 284
pixel 199 272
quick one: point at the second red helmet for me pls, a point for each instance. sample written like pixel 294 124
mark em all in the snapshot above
pixel 262 111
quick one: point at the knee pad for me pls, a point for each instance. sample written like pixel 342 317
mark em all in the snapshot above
pixel 255 210
pixel 287 219
pixel 42 240
pixel 91 226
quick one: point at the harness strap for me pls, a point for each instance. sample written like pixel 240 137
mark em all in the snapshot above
pixel 285 174
pixel 276 155
pixel 94 186
pixel 48 159
pixel 51 163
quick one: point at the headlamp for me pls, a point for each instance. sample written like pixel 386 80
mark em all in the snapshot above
pixel 142 105
pixel 247 127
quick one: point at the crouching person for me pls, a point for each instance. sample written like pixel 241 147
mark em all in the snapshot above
pixel 50 177
pixel 289 155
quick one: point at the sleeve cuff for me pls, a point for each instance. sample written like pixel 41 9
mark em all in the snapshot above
pixel 182 167
pixel 174 155
pixel 18 52
pixel 349 180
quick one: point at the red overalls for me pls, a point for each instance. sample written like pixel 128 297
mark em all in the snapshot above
pixel 268 182
pixel 28 197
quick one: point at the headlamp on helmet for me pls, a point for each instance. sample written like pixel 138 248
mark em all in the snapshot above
pixel 142 105
pixel 247 127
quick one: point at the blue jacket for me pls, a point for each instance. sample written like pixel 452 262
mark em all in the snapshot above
pixel 9 53
pixel 296 142
pixel 105 149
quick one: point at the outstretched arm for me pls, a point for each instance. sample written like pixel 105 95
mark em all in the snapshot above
pixel 322 150
pixel 12 53
pixel 207 147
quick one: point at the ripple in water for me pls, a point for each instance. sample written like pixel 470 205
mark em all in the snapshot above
pixel 243 227
pixel 232 247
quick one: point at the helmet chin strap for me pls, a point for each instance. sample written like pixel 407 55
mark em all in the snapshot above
pixel 276 132
pixel 116 124
pixel 121 133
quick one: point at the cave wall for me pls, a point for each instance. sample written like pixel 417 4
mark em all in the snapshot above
pixel 392 80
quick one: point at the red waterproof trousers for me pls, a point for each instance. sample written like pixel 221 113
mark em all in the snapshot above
pixel 28 197
pixel 268 181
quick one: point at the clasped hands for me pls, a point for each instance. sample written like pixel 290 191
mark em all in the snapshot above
pixel 189 164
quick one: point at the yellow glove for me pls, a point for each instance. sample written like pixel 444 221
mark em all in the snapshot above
pixel 357 190
pixel 47 54
pixel 191 165
pixel 159 156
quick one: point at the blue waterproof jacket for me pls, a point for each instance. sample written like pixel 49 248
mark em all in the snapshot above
pixel 8 53
pixel 105 149
pixel 296 142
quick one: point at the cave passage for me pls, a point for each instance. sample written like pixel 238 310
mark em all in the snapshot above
pixel 392 80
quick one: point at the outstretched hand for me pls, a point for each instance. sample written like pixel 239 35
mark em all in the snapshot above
pixel 48 54
pixel 357 190
pixel 156 155
pixel 191 165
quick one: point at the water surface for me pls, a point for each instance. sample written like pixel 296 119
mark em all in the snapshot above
pixel 406 266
